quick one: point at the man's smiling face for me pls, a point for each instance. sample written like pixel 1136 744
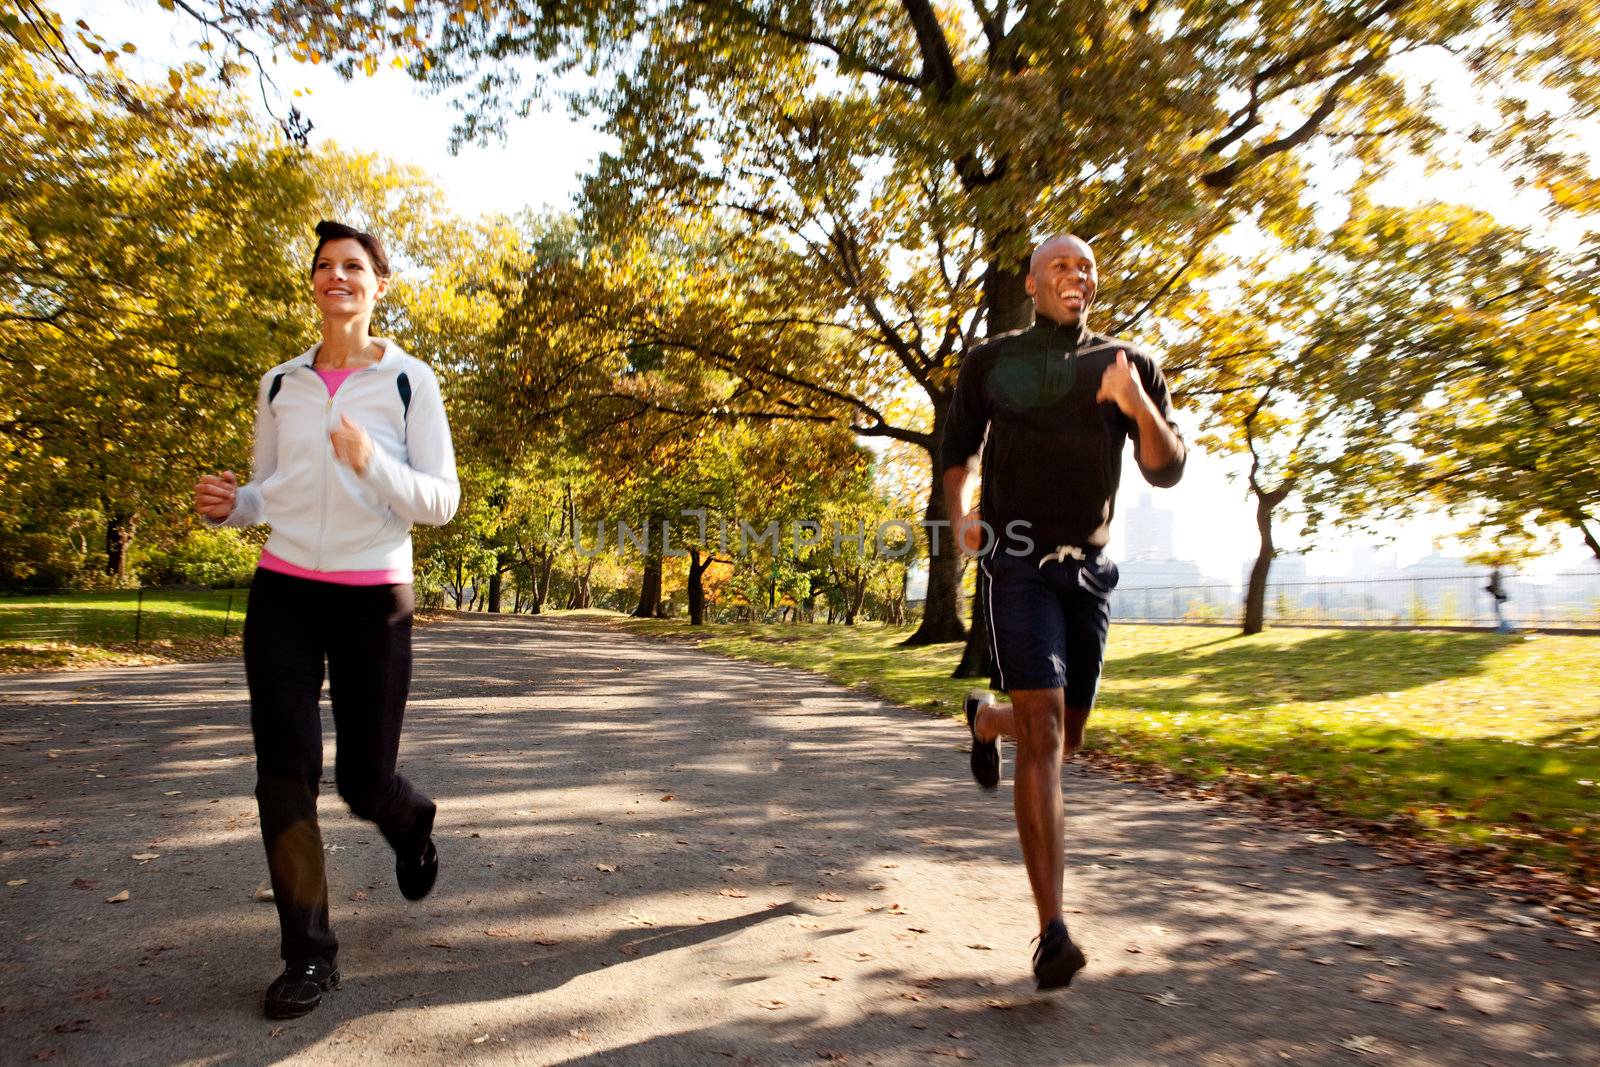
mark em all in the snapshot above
pixel 1061 278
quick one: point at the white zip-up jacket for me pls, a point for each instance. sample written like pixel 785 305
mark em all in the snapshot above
pixel 324 516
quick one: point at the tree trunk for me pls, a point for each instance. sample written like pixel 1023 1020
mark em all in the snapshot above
pixel 941 611
pixel 541 575
pixel 1255 597
pixel 119 535
pixel 1581 521
pixel 502 563
pixel 697 588
pixel 582 596
pixel 1007 305
pixel 977 659
pixel 650 589
pixel 858 596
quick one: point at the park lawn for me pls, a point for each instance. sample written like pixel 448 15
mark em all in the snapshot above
pixel 98 629
pixel 1467 739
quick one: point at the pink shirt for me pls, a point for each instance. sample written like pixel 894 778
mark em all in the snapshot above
pixel 332 379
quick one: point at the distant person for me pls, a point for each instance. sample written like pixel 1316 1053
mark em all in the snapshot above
pixel 1056 401
pixel 1497 591
pixel 351 448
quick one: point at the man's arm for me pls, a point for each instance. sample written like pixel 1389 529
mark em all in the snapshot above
pixel 963 523
pixel 1158 448
pixel 964 428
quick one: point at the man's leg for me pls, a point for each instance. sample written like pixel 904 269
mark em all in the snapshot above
pixel 1000 720
pixel 1037 719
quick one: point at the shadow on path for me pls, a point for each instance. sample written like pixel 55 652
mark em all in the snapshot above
pixel 653 855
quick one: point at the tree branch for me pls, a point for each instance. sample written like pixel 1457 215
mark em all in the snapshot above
pixel 1223 177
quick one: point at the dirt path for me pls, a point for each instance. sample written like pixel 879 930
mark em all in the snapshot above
pixel 656 856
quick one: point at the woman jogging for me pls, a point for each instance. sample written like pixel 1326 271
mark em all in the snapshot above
pixel 351 448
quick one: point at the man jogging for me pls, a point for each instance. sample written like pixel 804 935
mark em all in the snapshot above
pixel 1057 402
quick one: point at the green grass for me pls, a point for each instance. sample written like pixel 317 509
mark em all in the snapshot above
pixel 1463 738
pixel 110 618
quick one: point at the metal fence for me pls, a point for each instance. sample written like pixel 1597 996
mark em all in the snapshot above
pixel 1566 600
pixel 131 616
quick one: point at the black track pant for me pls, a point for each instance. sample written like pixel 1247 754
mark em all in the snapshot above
pixel 363 633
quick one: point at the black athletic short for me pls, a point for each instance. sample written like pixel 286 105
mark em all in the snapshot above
pixel 1048 622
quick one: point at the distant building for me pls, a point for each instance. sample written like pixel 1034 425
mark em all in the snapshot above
pixel 1288 568
pixel 1149 531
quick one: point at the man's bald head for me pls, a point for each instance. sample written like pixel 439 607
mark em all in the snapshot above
pixel 1062 278
pixel 1060 242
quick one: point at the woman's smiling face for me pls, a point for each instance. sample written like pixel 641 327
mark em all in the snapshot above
pixel 344 280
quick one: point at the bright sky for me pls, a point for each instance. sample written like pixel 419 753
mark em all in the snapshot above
pixel 544 157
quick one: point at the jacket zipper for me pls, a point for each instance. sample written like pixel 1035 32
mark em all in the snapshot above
pixel 327 461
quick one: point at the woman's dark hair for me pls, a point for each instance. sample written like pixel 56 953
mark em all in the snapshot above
pixel 338 231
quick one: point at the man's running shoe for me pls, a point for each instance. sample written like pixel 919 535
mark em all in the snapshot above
pixel 1057 958
pixel 985 754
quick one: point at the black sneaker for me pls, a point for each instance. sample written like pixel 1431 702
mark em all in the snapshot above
pixel 1057 958
pixel 416 876
pixel 985 754
pixel 299 988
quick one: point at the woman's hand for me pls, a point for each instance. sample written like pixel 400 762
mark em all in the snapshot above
pixel 214 494
pixel 351 445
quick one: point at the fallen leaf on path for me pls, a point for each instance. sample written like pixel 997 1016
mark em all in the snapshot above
pixel 1169 999
pixel 834 898
pixel 999 1005
pixel 981 947
pixel 264 892
pixel 173 793
pixel 908 995
pixel 666 798
pixel 545 941
pixel 144 857
pixel 830 977
pixel 1326 961
pixel 735 893
pixel 863 957
pixel 16 882
pixel 44 842
pixel 771 1005
pixel 1365 1044
pixel 500 932
pixel 606 868
pixel 120 898
pixel 480 1039
pixel 440 942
